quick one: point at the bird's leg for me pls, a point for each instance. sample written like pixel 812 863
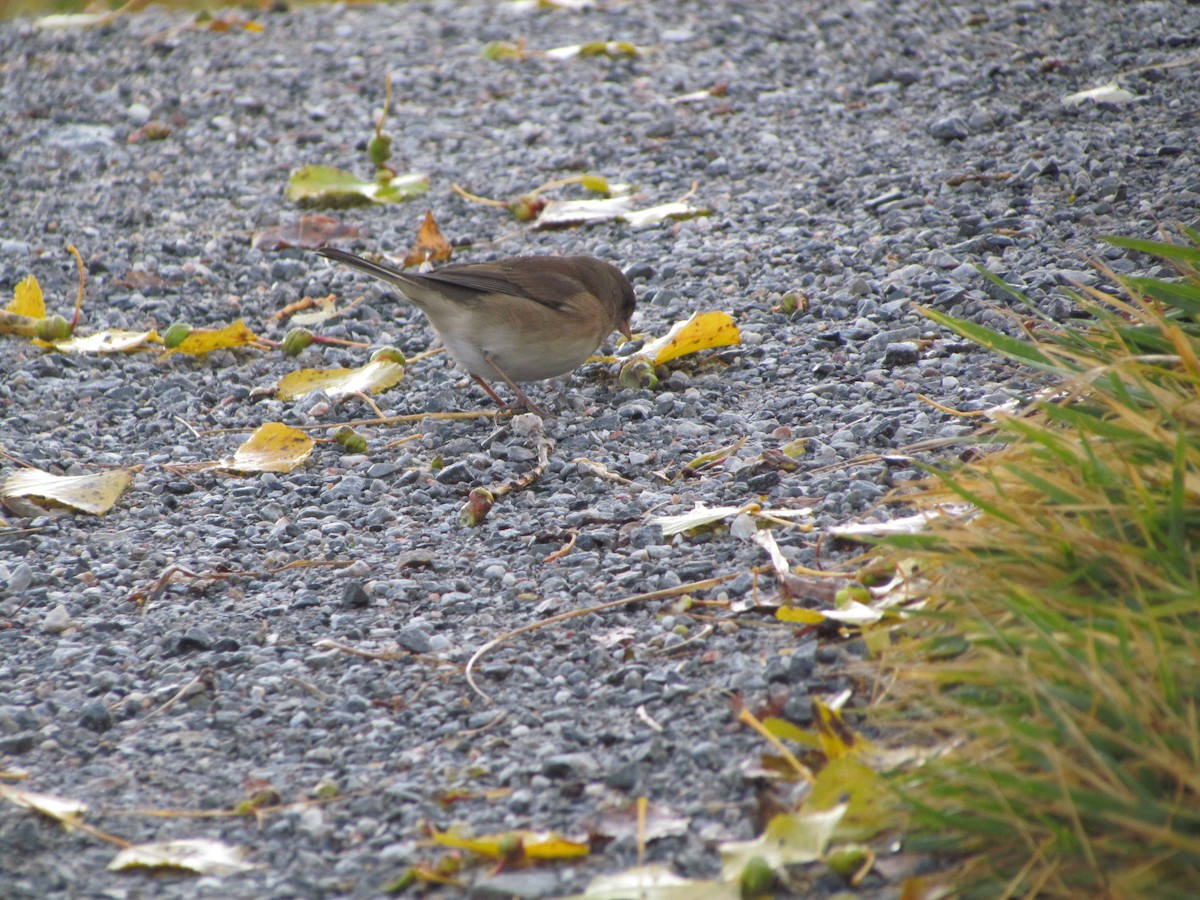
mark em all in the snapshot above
pixel 525 401
pixel 487 387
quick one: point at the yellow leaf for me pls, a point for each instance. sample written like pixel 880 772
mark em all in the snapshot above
pixel 799 615
pixel 782 728
pixel 853 782
pixel 553 846
pixel 837 738
pixel 788 840
pixel 27 299
pixel 372 378
pixel 531 844
pixel 205 340
pixel 95 494
pixel 701 332
pixel 104 342
pixel 274 447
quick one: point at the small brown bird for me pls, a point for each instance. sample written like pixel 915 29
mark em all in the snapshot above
pixel 525 318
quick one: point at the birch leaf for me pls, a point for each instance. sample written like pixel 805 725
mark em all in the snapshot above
pixel 64 811
pixel 274 447
pixel 27 299
pixel 114 341
pixel 95 494
pixel 206 340
pixel 198 855
pixel 701 332
pixel 375 377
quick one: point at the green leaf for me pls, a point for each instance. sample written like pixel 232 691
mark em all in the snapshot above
pixel 329 186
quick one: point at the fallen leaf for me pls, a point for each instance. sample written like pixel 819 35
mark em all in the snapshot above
pixel 700 332
pixel 27 299
pixel 113 341
pixel 430 245
pixel 1106 93
pixel 787 841
pixel 566 213
pixel 653 215
pixel 334 187
pixel 610 49
pixel 530 844
pixel 65 812
pixel 95 494
pixel 206 340
pixel 851 781
pixel 656 882
pixel 198 855
pixel 373 378
pixel 326 309
pixel 703 515
pixel 660 822
pixel 139 279
pixel 307 232
pixel 274 447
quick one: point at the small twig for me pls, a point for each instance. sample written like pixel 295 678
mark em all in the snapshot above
pixel 387 102
pixel 393 652
pixel 698 636
pixel 574 614
pixel 239 813
pixel 164 580
pixel 690 193
pixel 79 298
pixel 564 549
pixel 188 425
pixel 307 687
pixel 645 717
pixel 366 398
pixel 956 180
pixel 545 446
pixel 403 440
pixel 205 678
pixel 15 460
pixel 600 470
pixel 1173 64
pixel 475 198
pixel 490 725
pixel 961 413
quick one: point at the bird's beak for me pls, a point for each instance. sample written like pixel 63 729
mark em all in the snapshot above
pixel 626 330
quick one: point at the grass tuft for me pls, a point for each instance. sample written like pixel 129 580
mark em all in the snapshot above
pixel 1072 588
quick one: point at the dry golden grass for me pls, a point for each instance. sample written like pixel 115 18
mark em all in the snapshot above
pixel 1074 598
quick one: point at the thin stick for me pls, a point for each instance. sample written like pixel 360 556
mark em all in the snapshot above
pixel 563 617
pixel 78 299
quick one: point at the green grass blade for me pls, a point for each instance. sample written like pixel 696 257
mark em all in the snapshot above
pixel 1160 249
pixel 1021 351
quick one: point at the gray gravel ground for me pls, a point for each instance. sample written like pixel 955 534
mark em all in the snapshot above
pixel 833 164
